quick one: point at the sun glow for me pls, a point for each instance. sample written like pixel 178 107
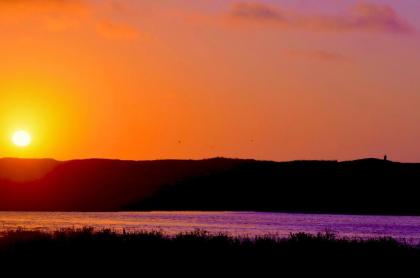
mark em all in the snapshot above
pixel 21 138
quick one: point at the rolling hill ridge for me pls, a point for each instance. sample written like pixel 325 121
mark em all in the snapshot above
pixel 367 186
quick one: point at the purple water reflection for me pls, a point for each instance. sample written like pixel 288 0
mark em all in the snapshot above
pixel 234 223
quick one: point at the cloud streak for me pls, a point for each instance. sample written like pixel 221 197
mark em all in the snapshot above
pixel 362 17
pixel 36 7
pixel 62 15
pixel 256 12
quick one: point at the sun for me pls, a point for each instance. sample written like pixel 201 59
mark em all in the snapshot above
pixel 21 138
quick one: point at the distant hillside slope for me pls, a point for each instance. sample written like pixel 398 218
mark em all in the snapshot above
pixel 364 186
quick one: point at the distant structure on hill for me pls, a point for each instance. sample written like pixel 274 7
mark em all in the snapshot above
pixel 366 186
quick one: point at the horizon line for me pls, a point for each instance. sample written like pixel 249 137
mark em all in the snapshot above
pixel 206 158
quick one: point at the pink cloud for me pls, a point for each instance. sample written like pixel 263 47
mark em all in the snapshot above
pixel 256 12
pixel 379 18
pixel 363 18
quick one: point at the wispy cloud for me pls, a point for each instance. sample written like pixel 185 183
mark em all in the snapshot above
pixel 256 12
pixel 362 17
pixel 63 15
pixel 46 7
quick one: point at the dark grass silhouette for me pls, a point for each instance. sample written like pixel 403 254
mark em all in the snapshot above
pixel 107 250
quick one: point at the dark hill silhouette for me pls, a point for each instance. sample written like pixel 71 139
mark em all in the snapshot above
pixel 21 170
pixel 367 186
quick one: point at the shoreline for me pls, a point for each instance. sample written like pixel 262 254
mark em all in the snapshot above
pixel 243 224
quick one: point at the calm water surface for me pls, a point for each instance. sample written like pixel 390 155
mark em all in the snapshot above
pixel 234 223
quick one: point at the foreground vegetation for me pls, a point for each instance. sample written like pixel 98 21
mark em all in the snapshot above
pixel 107 249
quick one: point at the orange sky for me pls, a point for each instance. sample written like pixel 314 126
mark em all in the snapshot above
pixel 277 80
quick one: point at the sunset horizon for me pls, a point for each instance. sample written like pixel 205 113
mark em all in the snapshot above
pixel 380 158
pixel 272 135
pixel 270 80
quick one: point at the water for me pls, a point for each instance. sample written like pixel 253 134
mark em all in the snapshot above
pixel 234 223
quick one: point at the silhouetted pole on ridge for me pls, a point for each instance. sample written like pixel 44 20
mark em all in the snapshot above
pixel 385 158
